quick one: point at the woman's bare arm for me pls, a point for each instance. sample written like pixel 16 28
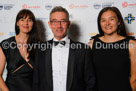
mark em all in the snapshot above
pixel 3 86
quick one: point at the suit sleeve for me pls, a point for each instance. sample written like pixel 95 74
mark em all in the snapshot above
pixel 36 77
pixel 89 71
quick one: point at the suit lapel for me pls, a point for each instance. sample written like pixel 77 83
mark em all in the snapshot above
pixel 48 65
pixel 70 67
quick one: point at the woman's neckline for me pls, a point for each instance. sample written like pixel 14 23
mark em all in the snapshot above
pixel 112 42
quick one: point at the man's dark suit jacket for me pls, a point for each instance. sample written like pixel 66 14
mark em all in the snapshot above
pixel 80 73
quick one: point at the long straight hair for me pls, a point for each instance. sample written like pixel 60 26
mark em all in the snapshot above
pixel 33 34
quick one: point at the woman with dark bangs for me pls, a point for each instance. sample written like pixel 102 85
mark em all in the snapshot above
pixel 19 55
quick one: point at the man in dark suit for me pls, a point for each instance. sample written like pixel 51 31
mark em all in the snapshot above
pixel 64 65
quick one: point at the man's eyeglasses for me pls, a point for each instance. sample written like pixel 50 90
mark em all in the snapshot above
pixel 55 23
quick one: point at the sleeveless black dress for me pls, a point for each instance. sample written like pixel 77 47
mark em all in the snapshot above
pixel 19 73
pixel 112 65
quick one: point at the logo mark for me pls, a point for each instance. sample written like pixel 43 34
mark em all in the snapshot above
pixel 72 6
pixel 11 33
pixel 1 6
pixel 129 19
pixel 25 6
pixel 48 7
pixel 97 5
pixel 1 34
pixel 124 5
pixel 129 5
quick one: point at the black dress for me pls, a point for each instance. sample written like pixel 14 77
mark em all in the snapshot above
pixel 112 65
pixel 19 73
